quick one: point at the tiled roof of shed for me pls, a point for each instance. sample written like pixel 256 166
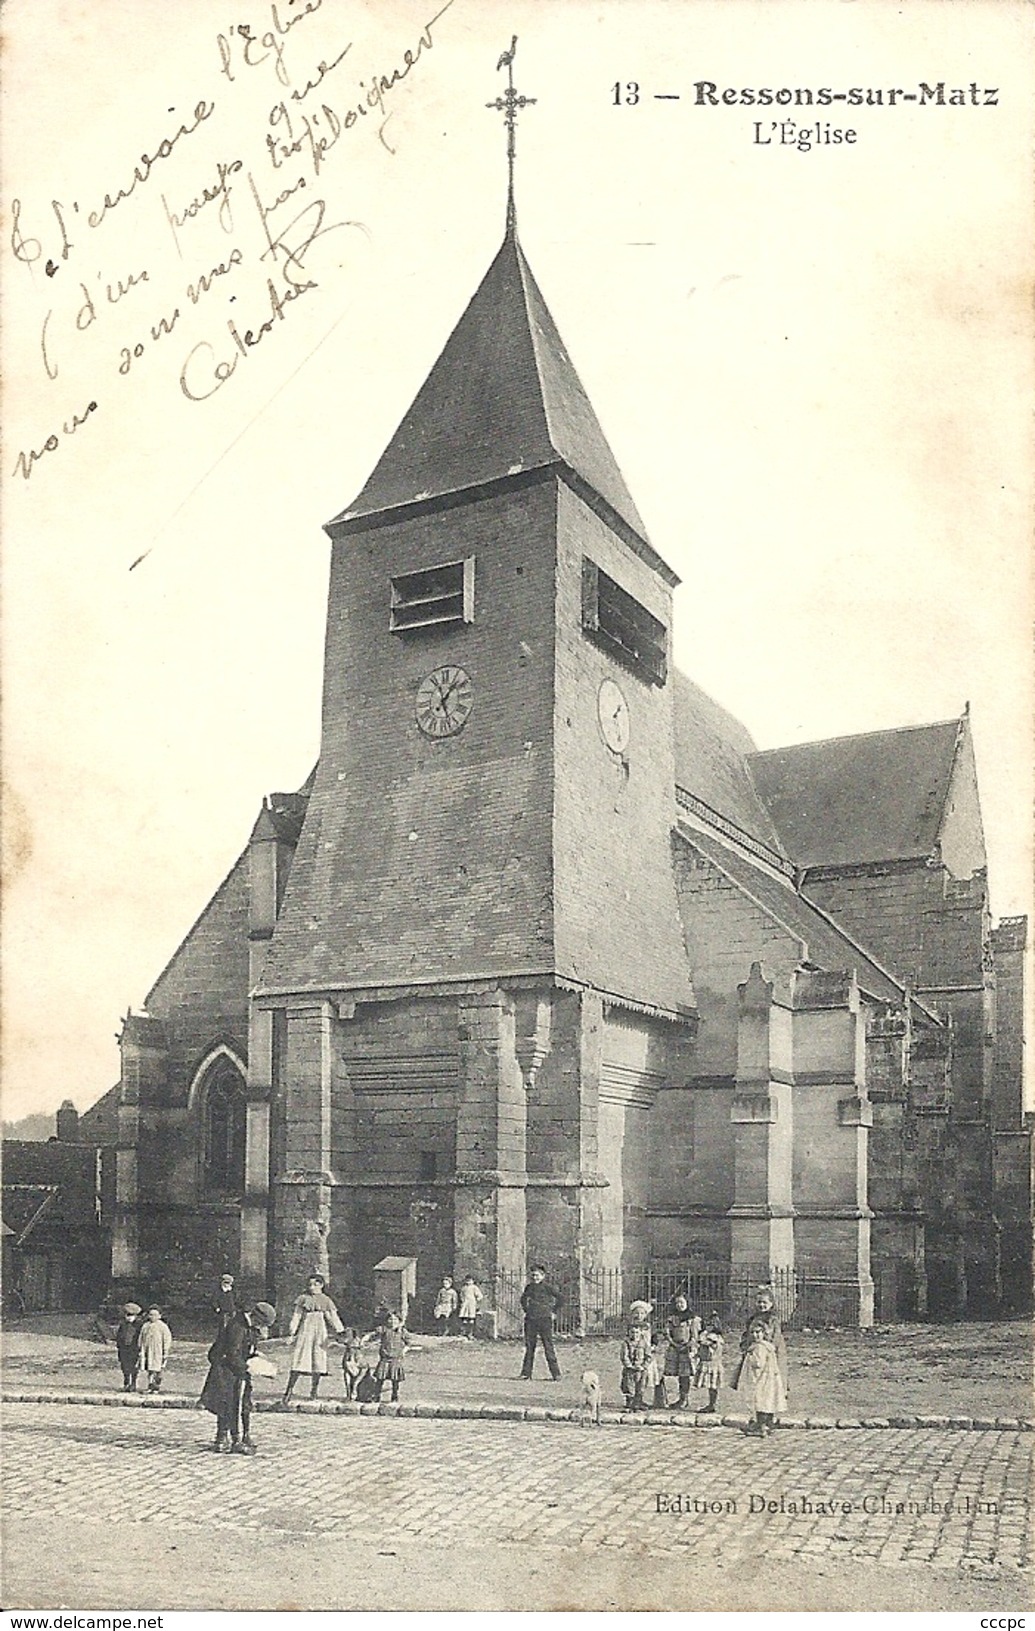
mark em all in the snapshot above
pixel 24 1205
pixel 857 799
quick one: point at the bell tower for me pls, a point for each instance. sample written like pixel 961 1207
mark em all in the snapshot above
pixel 484 872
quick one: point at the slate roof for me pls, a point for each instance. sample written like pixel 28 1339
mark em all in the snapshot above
pixel 53 1182
pixel 503 398
pixel 711 749
pixel 24 1205
pixel 856 799
pixel 336 931
pixel 827 945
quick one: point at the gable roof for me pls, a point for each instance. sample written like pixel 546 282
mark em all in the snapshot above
pixel 827 944
pixel 99 1124
pixel 857 799
pixel 502 399
pixel 711 750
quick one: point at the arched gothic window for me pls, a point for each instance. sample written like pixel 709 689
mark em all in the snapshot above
pixel 222 1129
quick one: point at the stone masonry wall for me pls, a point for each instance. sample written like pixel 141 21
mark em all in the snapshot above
pixel 201 997
pixel 1008 941
pixel 422 858
pixel 725 933
pixel 182 1255
pixel 393 1111
pixel 202 993
pixel 617 922
pixel 924 925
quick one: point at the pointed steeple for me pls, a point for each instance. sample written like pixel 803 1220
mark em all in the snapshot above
pixel 502 399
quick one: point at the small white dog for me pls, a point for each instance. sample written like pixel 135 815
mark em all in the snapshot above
pixel 590 1408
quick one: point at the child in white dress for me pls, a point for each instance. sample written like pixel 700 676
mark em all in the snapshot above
pixel 471 1299
pixel 155 1342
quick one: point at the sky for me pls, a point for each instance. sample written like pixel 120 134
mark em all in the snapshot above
pixel 812 359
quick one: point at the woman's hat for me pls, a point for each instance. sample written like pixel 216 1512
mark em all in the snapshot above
pixel 131 1308
pixel 266 1312
pixel 640 1307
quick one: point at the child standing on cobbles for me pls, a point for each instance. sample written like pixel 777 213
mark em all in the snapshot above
pixel 394 1342
pixel 226 1301
pixel 710 1373
pixel 638 1366
pixel 155 1342
pixel 762 1372
pixel 682 1330
pixel 127 1344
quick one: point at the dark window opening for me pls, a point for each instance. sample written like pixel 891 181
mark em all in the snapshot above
pixel 224 1114
pixel 436 595
pixel 612 617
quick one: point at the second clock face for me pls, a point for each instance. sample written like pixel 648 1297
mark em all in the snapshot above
pixel 613 716
pixel 444 701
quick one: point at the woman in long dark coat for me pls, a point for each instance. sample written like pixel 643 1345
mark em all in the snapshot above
pixel 228 1386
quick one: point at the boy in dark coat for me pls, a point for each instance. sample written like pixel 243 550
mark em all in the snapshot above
pixel 540 1303
pixel 127 1344
pixel 228 1386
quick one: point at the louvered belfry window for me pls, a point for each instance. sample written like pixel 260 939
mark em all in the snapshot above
pixel 434 595
pixel 617 621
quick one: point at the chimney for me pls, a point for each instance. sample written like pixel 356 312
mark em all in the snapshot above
pixel 68 1123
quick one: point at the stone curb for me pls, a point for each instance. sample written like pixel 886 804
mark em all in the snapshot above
pixel 535 1414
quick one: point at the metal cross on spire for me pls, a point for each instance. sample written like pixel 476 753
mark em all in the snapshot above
pixel 508 104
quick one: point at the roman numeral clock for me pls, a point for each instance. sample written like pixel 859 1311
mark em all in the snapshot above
pixel 444 701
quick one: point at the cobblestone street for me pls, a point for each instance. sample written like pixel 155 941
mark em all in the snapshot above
pixel 798 1499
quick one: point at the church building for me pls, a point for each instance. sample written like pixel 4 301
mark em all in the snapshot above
pixel 546 961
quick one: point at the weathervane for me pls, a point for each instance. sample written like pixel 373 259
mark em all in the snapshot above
pixel 508 104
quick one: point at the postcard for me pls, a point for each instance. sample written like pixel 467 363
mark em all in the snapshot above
pixel 517 785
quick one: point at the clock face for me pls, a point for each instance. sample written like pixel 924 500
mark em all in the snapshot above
pixel 613 716
pixel 444 701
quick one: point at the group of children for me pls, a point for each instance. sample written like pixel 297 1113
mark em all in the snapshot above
pixel 688 1349
pixel 315 1319
pixel 691 1350
pixel 457 1308
pixel 364 1382
pixel 142 1342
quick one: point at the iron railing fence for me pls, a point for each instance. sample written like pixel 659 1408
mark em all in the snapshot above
pixel 596 1303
